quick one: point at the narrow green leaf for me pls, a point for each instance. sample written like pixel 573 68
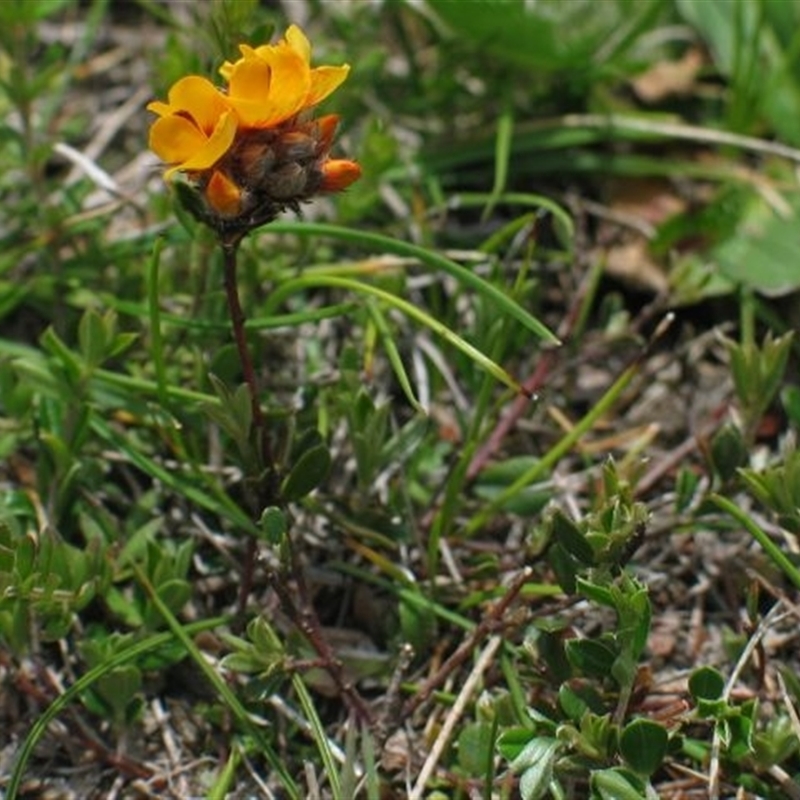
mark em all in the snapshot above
pixel 407 308
pixel 307 473
pixel 393 354
pixel 428 258
pixel 502 155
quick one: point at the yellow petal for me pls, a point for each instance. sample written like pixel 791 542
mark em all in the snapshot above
pixel 264 51
pixel 325 80
pixel 162 109
pixel 294 39
pixel 175 139
pixel 217 145
pixel 267 92
pixel 223 195
pixel 298 42
pixel 180 143
pixel 199 98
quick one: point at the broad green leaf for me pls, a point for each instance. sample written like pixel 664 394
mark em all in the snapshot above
pixel 612 784
pixel 118 687
pixel 706 683
pixel 592 657
pixel 761 252
pixel 535 765
pixel 475 748
pixel 273 525
pixel 643 745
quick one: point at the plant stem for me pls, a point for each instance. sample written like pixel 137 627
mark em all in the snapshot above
pixel 304 617
pixel 307 622
pixel 260 439
pixel 229 253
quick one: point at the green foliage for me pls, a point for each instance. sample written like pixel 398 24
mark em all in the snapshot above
pixel 44 581
pixel 729 451
pixel 476 748
pixel 309 466
pixel 587 557
pixel 643 745
pixel 505 158
pixel 167 569
pixel 746 742
pixel 261 652
pixel 117 692
pixel 603 541
pixel 754 48
pixel 551 36
pixel 778 488
pixel 757 375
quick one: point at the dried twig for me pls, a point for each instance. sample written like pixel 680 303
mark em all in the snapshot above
pixel 772 617
pixel 456 712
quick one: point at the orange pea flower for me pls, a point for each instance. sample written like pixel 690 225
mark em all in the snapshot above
pixel 196 127
pixel 271 83
pixel 254 149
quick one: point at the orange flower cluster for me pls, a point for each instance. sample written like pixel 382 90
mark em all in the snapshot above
pixel 254 149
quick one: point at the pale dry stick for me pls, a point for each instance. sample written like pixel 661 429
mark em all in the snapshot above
pixel 393 698
pixel 438 359
pixel 171 748
pixel 311 781
pixel 456 712
pixel 88 168
pixel 786 782
pixel 110 124
pixel 296 718
pixel 675 130
pixel 266 792
pixel 772 617
pixel 116 788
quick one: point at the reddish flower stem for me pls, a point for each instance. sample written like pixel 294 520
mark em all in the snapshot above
pixel 229 254
pixel 304 617
pixel 307 622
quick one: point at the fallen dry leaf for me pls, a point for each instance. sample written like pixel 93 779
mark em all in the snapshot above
pixel 669 78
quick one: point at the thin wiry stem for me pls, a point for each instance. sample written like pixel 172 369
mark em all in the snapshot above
pixel 259 433
pixel 303 615
pixel 229 253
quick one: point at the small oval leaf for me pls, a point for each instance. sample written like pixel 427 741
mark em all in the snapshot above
pixel 643 745
pixel 706 683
